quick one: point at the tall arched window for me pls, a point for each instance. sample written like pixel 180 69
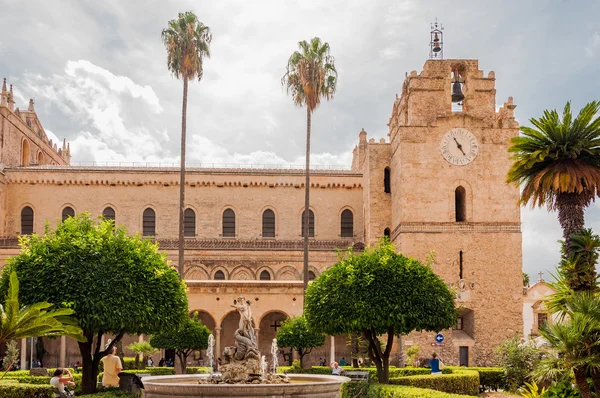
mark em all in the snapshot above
pixel 229 223
pixel 109 213
pixel 189 223
pixel 67 212
pixel 149 222
pixel 268 224
pixel 311 223
pixel 386 233
pixel 387 184
pixel 25 154
pixel 265 276
pixel 219 276
pixel 26 221
pixel 347 222
pixel 460 199
pixel 311 276
pixel 40 158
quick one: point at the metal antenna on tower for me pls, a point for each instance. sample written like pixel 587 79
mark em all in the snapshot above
pixel 436 42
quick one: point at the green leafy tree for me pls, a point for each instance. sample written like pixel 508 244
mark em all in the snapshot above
pixel 526 280
pixel 191 336
pixel 379 292
pixel 142 349
pixel 114 283
pixel 296 333
pixel 187 41
pixel 557 162
pixel 310 76
pixel 11 356
pixel 579 259
pixel 413 355
pixel 517 359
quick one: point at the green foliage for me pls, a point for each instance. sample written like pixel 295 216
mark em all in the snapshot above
pixel 412 353
pixel 459 382
pixel 526 279
pixel 579 259
pixel 563 389
pixel 296 364
pixel 532 390
pixel 391 294
pixel 11 356
pixel 372 390
pixel 198 369
pixel 33 320
pixel 187 41
pixel 296 333
pixel 26 391
pixel 517 360
pixel 143 350
pixel 311 74
pixel 111 393
pixel 559 155
pixel 490 378
pixel 114 282
pixel 190 336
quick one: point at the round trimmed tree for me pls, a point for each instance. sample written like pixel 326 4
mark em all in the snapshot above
pixel 191 336
pixel 114 283
pixel 296 333
pixel 379 292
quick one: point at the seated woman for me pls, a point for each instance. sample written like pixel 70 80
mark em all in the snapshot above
pixel 62 378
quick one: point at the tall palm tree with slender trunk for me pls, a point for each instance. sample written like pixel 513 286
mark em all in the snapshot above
pixel 557 163
pixel 310 76
pixel 187 41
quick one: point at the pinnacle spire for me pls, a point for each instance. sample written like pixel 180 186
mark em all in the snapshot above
pixel 4 86
pixel 30 108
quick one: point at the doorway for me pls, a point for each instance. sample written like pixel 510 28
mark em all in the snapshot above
pixel 464 356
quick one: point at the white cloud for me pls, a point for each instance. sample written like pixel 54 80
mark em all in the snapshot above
pixel 593 45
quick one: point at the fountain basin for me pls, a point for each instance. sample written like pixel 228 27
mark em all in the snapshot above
pixel 301 386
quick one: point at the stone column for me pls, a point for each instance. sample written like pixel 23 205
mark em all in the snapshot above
pixel 63 352
pixel 332 350
pixel 23 354
pixel 217 343
pixel 257 333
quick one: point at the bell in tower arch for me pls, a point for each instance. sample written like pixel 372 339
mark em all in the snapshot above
pixel 457 94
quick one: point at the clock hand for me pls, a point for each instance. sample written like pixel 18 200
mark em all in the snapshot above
pixel 459 146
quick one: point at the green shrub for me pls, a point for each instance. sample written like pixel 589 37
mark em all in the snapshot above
pixel 372 390
pixel 325 370
pixel 517 360
pixel 111 393
pixel 459 382
pixel 197 369
pixel 562 390
pixel 26 391
pixel 148 371
pixel 490 379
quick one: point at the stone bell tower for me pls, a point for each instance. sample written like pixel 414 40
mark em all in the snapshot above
pixel 448 194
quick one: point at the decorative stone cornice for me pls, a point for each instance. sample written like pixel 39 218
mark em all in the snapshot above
pixel 443 227
pixel 247 283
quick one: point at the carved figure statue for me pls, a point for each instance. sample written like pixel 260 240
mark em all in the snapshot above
pixel 245 338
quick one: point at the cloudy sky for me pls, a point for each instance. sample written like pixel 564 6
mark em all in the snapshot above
pixel 97 70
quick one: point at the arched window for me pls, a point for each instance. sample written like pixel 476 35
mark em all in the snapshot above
pixel 219 276
pixel 67 212
pixel 347 222
pixel 25 154
pixel 387 185
pixel 268 224
pixel 311 223
pixel 109 213
pixel 265 276
pixel 189 223
pixel 26 221
pixel 40 158
pixel 460 205
pixel 311 276
pixel 149 222
pixel 229 223
pixel 386 233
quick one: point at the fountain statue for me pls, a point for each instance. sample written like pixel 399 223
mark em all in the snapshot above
pixel 274 351
pixel 210 352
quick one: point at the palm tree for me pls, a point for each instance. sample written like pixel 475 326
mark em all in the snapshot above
pixel 310 76
pixel 558 163
pixel 187 41
pixel 35 320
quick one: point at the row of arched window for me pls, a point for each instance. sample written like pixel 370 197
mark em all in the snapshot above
pixel 189 222
pixel 264 276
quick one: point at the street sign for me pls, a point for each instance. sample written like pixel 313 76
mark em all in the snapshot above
pixel 439 338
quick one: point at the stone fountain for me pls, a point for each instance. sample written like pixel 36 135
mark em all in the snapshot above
pixel 243 373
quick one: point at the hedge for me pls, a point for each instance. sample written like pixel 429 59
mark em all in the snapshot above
pixel 372 390
pixel 325 370
pixel 162 371
pixel 26 391
pixel 490 379
pixel 458 382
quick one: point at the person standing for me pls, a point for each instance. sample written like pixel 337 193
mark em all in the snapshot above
pixel 435 363
pixel 112 368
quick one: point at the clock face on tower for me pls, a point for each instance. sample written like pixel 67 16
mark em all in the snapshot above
pixel 459 147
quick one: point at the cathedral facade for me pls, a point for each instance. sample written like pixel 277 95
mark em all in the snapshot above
pixel 436 184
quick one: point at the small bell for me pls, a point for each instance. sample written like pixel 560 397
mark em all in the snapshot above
pixel 436 48
pixel 435 38
pixel 457 94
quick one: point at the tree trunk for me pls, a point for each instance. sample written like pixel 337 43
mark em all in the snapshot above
pixel 570 214
pixel 381 359
pixel 581 381
pixel 306 200
pixel 182 356
pixel 301 354
pixel 181 241
pixel 595 373
pixel 354 349
pixel 89 362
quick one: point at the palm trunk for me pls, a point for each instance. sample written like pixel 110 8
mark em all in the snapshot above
pixel 182 178
pixel 595 373
pixel 581 381
pixel 570 215
pixel 306 200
